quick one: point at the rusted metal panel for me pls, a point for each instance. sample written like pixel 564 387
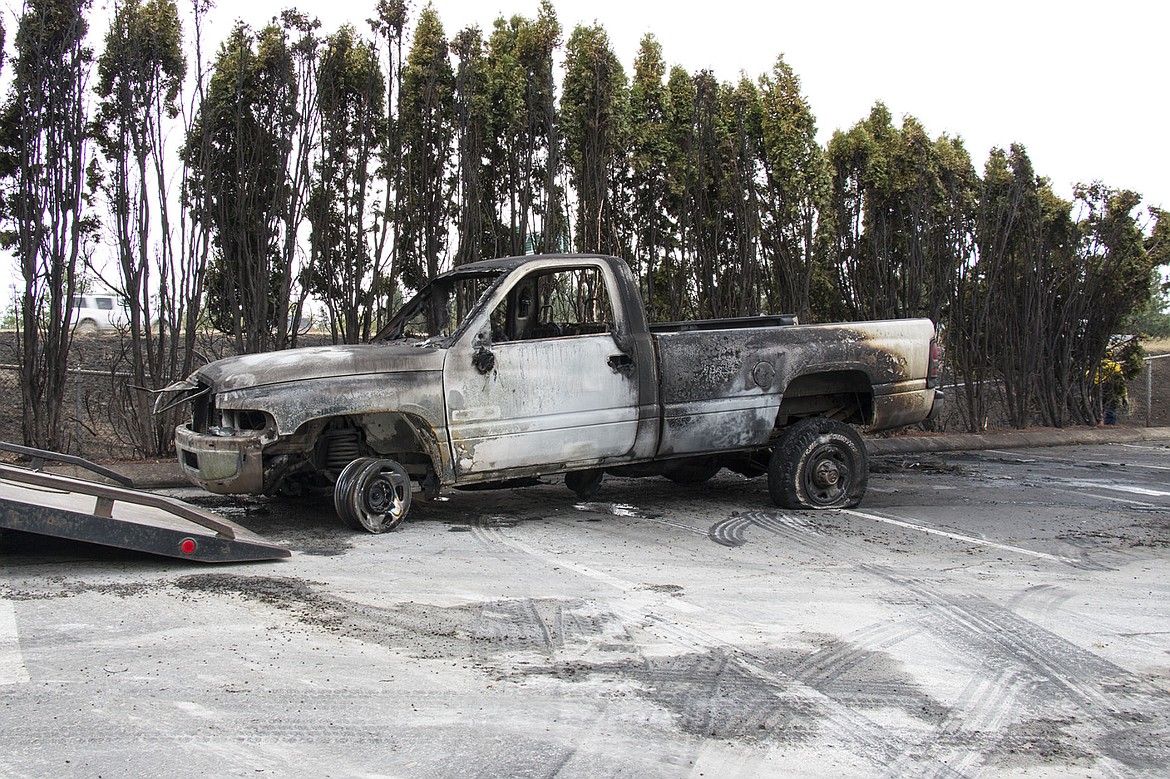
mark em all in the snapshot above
pixel 721 389
pixel 711 392
pixel 221 464
pixel 251 371
pixel 295 403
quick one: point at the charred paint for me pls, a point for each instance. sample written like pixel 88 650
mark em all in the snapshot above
pixel 486 411
pixel 545 401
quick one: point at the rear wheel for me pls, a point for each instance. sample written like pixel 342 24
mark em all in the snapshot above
pixel 372 495
pixel 819 463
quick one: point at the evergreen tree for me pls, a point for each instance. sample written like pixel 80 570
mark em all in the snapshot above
pixel 345 273
pixel 892 210
pixel 523 149
pixel 796 196
pixel 49 224
pixel 594 116
pixel 650 153
pixel 427 118
pixel 240 182
pixel 680 182
pixel 140 73
pixel 472 111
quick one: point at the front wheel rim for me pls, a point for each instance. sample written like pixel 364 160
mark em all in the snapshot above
pixel 384 496
pixel 373 495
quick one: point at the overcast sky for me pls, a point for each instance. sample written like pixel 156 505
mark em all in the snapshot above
pixel 1080 84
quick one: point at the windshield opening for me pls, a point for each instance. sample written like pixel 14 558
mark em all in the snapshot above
pixel 441 308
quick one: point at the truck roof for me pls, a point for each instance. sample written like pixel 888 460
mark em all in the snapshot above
pixel 511 263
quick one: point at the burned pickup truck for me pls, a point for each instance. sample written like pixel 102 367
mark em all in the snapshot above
pixel 507 370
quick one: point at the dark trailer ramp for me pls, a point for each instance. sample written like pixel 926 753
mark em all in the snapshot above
pixel 81 510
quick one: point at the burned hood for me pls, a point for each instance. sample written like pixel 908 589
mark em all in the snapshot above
pixel 319 362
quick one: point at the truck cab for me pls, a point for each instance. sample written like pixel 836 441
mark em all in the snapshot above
pixel 556 369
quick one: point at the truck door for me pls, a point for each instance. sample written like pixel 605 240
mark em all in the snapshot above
pixel 543 382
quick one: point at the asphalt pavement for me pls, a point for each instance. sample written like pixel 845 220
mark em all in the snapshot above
pixel 982 614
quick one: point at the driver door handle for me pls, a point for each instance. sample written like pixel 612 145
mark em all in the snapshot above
pixel 621 363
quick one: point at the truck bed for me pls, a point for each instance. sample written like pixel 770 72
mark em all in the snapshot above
pixel 721 386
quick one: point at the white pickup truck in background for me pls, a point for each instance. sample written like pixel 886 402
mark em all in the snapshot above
pixel 506 370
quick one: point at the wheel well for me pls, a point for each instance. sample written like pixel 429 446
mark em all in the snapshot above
pixel 846 396
pixel 401 437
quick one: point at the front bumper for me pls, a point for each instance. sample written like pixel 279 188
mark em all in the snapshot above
pixel 222 464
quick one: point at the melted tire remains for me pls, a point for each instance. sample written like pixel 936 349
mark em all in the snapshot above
pixel 819 463
pixel 372 495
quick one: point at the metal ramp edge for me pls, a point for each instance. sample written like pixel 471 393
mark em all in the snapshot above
pixel 81 510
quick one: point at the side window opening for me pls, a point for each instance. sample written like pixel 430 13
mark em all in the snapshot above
pixel 555 304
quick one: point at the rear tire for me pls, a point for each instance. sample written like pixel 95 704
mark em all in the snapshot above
pixel 819 463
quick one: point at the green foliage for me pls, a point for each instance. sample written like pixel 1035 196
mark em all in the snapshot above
pixel 1023 238
pixel 45 200
pixel 519 190
pixel 594 122
pixel 901 213
pixel 1151 320
pixel 1045 295
pixel 237 149
pixel 351 101
pixel 649 164
pixel 143 58
pixel 472 117
pixel 426 116
pixel 140 74
pixel 796 195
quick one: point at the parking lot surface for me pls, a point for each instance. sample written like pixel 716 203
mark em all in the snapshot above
pixel 993 613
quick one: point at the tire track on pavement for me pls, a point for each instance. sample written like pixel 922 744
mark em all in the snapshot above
pixel 979 714
pixel 717 663
pixel 1048 673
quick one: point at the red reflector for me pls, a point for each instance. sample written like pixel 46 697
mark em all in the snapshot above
pixel 187 546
